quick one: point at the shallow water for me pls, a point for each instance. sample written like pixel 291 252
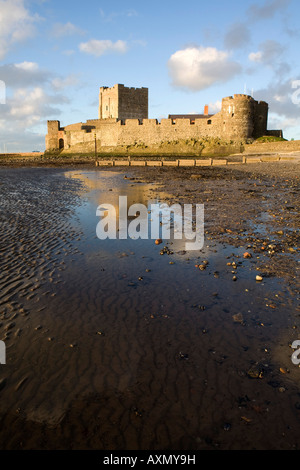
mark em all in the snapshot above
pixel 115 346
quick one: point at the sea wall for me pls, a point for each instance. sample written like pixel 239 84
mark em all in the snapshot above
pixel 272 147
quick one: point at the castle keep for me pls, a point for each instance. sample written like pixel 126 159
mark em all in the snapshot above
pixel 123 121
pixel 120 102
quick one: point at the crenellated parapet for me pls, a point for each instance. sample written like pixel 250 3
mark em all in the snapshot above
pixel 241 118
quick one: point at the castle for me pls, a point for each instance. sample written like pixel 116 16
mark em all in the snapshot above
pixel 123 121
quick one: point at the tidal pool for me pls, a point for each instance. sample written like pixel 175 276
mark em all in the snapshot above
pixel 122 344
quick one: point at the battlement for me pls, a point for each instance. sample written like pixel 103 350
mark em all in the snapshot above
pixel 123 122
pixel 164 122
pixel 239 97
pixel 119 85
pixel 244 97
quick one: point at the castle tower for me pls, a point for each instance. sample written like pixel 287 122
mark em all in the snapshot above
pixel 238 117
pixel 261 119
pixel 120 102
pixel 52 142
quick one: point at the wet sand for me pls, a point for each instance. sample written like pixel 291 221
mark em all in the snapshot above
pixel 116 347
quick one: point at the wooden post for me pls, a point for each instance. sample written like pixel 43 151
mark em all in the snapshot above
pixel 95 147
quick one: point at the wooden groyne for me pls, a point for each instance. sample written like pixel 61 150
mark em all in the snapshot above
pixel 198 162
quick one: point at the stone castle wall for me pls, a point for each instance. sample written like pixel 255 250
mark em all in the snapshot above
pixel 241 118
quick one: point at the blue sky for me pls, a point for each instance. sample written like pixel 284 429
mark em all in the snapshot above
pixel 54 56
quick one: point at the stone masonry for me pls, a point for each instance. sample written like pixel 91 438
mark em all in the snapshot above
pixel 120 102
pixel 123 121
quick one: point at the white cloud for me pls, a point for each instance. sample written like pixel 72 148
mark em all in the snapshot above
pixel 23 74
pixel 28 75
pixel 215 107
pixel 27 104
pixel 256 56
pixel 27 66
pixel 16 24
pixel 30 106
pixel 283 108
pixel 197 68
pixel 66 29
pixel 60 83
pixel 98 47
pixel 279 95
pixel 23 118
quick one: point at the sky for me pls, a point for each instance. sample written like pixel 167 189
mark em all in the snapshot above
pixel 54 56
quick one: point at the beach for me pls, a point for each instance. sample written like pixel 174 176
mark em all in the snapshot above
pixel 125 345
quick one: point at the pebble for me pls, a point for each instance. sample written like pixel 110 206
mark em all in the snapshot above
pixel 254 373
pixel 238 318
pixel 2 383
pixel 259 278
pixel 183 356
pixel 166 250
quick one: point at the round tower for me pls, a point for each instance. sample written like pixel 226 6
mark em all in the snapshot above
pixel 238 117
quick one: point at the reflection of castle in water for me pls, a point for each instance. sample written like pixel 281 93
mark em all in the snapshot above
pixel 101 192
pixel 128 209
pixel 123 121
